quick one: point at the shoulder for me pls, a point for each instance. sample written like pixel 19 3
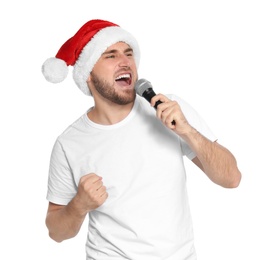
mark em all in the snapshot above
pixel 186 107
pixel 78 126
pixel 194 118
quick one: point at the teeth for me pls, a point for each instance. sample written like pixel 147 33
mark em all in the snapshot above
pixel 123 76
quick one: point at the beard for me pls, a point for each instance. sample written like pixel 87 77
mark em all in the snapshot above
pixel 108 92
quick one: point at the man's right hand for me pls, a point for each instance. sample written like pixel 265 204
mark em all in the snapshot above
pixel 91 192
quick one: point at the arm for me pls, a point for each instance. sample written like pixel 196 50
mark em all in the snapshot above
pixel 64 221
pixel 216 161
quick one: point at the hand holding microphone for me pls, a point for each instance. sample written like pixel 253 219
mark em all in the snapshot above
pixel 168 111
pixel 144 89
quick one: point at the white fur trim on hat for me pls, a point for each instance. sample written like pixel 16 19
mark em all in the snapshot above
pixel 55 70
pixel 94 49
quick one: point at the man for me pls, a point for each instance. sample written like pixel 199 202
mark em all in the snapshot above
pixel 121 163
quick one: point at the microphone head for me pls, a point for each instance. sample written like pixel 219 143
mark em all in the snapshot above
pixel 142 85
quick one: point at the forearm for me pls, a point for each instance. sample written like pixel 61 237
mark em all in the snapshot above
pixel 216 161
pixel 65 222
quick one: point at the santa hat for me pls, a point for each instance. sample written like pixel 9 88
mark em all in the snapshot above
pixel 83 51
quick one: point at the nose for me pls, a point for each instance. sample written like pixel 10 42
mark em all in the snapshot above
pixel 124 61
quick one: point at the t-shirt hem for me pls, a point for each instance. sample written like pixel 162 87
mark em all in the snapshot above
pixel 58 201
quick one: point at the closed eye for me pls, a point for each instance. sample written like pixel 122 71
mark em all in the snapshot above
pixel 110 56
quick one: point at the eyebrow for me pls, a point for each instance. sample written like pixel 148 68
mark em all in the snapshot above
pixel 114 51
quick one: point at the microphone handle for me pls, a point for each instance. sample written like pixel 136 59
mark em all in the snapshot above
pixel 148 94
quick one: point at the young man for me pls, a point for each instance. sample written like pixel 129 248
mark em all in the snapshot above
pixel 121 163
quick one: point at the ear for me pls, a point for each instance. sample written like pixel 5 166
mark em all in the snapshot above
pixel 89 84
pixel 89 78
pixel 89 81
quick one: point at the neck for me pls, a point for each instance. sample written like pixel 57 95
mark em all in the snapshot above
pixel 109 113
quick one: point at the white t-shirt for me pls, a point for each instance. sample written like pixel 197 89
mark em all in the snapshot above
pixel 146 216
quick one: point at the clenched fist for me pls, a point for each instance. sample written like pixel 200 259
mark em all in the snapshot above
pixel 91 192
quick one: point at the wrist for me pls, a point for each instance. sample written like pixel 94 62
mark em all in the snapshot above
pixel 76 208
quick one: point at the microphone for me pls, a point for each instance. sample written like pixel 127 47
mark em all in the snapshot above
pixel 144 89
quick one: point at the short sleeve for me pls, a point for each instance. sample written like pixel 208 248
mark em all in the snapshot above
pixel 194 120
pixel 61 185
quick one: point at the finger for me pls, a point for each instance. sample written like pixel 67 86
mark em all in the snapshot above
pixel 159 97
pixel 99 185
pixel 98 182
pixel 163 109
pixel 167 114
pixel 94 178
pixel 89 182
pixel 104 195
pixel 102 190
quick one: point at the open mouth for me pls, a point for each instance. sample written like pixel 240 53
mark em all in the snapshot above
pixel 124 80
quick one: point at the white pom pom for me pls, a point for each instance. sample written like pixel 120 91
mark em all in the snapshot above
pixel 55 70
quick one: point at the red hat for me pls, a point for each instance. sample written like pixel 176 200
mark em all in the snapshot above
pixel 83 51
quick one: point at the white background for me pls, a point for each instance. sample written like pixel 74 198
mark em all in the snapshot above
pixel 213 54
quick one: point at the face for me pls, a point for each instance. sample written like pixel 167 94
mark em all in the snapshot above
pixel 114 75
